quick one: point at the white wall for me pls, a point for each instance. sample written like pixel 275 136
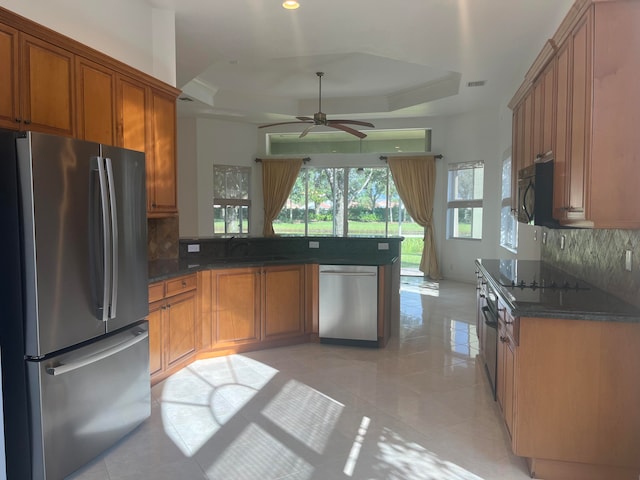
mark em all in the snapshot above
pixel 127 30
pixel 469 137
pixel 217 142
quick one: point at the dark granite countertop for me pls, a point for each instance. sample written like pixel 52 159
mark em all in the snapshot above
pixel 164 269
pixel 560 300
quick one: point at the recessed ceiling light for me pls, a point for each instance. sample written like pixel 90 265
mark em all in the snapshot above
pixel 291 4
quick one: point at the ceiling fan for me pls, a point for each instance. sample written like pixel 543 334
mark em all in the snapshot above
pixel 320 118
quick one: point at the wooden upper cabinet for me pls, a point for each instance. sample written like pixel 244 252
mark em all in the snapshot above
pixel 96 92
pixel 538 118
pixel 543 115
pixel 147 123
pixel 161 155
pixel 36 84
pixel 131 101
pixel 9 94
pixel 580 122
pixel 518 152
pixel 614 169
pixel 50 83
pixel 548 105
pixel 47 87
pixel 561 133
pixel 527 132
pixel 593 135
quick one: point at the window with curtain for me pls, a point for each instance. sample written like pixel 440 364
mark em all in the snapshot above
pixel 508 221
pixel 231 202
pixel 465 198
pixel 345 202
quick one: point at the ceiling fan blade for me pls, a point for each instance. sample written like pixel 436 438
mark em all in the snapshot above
pixel 281 123
pixel 350 130
pixel 305 119
pixel 351 122
pixel 305 131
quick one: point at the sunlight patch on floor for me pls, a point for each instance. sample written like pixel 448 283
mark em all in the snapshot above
pixel 285 430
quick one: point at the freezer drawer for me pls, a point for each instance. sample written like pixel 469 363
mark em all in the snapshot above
pixel 348 302
pixel 84 401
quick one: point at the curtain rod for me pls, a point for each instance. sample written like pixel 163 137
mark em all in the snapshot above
pixel 437 157
pixel 305 159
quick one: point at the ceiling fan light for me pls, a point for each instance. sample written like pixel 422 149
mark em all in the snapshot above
pixel 290 4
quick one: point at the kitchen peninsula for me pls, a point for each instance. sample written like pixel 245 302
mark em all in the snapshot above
pixel 229 295
pixel 568 357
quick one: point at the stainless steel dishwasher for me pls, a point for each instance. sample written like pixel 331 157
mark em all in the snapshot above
pixel 348 310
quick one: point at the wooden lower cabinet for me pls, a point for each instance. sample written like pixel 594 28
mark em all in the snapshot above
pixel 156 336
pixel 283 301
pixel 569 393
pixel 173 323
pixel 180 325
pixel 257 304
pixel 505 377
pixel 228 310
pixel 236 306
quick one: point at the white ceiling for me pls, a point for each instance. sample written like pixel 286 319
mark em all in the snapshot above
pixel 253 61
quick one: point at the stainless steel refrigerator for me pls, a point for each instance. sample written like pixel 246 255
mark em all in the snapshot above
pixel 75 348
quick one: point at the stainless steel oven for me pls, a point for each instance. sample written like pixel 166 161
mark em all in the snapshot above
pixel 490 336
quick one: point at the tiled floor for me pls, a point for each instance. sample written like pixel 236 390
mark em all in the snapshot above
pixel 418 409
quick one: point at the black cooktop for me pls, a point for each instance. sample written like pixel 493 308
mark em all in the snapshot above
pixel 537 289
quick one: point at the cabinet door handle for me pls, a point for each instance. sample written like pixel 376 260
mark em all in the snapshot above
pixel 27 122
pixel 184 284
pixel 18 120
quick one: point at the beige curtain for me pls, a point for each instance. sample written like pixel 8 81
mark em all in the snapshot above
pixel 278 178
pixel 415 179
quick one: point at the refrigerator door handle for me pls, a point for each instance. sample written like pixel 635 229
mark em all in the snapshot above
pixel 70 367
pixel 114 238
pixel 106 238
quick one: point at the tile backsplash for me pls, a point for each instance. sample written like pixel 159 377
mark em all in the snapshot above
pixel 162 238
pixel 598 257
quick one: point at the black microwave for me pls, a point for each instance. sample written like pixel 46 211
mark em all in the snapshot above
pixel 535 194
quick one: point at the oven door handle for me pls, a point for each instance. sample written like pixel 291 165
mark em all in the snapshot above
pixel 487 321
